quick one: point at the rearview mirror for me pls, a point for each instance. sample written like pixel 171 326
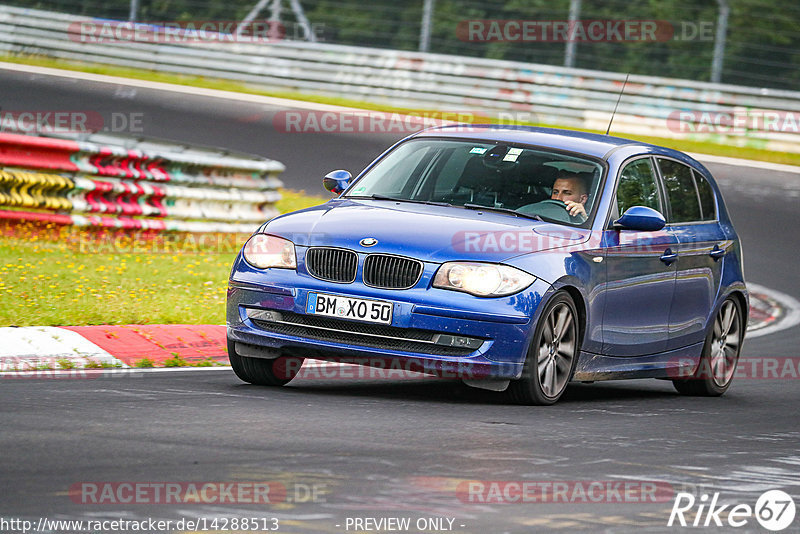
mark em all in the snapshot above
pixel 337 181
pixel 640 218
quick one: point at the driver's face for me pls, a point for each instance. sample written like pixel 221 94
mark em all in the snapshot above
pixel 565 189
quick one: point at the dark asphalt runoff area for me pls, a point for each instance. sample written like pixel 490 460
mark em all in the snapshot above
pixel 364 455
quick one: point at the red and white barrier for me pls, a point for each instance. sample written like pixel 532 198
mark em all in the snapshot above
pixel 40 351
pixel 100 181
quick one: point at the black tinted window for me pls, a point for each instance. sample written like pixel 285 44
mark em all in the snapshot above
pixel 681 192
pixel 707 203
pixel 637 186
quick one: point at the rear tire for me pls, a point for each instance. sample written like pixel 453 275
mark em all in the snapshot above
pixel 263 372
pixel 721 351
pixel 552 356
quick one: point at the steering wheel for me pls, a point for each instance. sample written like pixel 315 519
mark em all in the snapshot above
pixel 552 209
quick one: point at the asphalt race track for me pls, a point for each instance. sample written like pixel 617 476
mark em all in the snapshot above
pixel 347 449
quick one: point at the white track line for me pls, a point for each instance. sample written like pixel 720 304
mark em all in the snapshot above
pixel 49 374
pixel 736 162
pixel 790 306
pixel 35 345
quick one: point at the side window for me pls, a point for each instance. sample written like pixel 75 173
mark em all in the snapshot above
pixel 408 160
pixel 683 198
pixel 707 204
pixel 637 186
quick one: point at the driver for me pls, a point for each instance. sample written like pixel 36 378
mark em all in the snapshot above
pixel 570 189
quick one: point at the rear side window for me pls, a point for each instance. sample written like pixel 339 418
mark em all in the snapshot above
pixel 637 186
pixel 707 204
pixel 684 201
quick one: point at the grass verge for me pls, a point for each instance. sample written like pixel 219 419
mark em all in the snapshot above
pixel 60 275
pixel 46 369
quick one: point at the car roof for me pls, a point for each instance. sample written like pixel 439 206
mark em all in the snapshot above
pixel 590 144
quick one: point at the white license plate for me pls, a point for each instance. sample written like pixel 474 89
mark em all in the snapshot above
pixel 371 311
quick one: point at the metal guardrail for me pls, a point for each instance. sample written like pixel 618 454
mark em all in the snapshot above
pixel 115 182
pixel 552 95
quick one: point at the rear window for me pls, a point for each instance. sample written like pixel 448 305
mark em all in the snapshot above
pixel 707 204
pixel 683 198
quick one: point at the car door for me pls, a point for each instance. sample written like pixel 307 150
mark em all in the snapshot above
pixel 640 270
pixel 692 215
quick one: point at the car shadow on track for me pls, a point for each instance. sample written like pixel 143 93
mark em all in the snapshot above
pixel 453 391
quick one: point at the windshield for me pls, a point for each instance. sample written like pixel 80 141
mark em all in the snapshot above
pixel 529 182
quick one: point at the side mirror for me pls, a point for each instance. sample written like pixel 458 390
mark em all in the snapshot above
pixel 640 218
pixel 337 181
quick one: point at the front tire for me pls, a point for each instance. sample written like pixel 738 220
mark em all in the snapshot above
pixel 552 356
pixel 721 350
pixel 263 372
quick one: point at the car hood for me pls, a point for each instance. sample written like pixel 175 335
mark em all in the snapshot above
pixel 429 233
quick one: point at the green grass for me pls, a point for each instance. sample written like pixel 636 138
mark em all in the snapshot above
pixel 53 283
pixel 209 362
pixel 93 364
pixel 65 363
pixel 687 145
pixel 297 200
pixel 175 361
pixel 52 276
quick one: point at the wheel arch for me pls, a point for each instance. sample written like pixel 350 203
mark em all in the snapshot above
pixel 742 300
pixel 738 292
pixel 580 305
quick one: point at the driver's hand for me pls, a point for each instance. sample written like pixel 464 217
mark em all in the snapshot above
pixel 576 209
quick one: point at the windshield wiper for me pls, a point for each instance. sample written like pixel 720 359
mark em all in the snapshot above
pixel 503 210
pixel 467 206
pixel 415 201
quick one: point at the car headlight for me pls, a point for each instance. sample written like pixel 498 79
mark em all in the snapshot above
pixel 265 251
pixel 482 279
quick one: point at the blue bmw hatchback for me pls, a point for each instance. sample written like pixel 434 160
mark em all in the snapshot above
pixel 516 259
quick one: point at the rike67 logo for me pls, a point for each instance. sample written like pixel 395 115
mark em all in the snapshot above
pixel 774 510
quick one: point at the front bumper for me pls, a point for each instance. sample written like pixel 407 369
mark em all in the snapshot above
pixel 432 330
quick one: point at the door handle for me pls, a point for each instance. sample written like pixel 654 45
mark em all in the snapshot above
pixel 717 252
pixel 669 256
